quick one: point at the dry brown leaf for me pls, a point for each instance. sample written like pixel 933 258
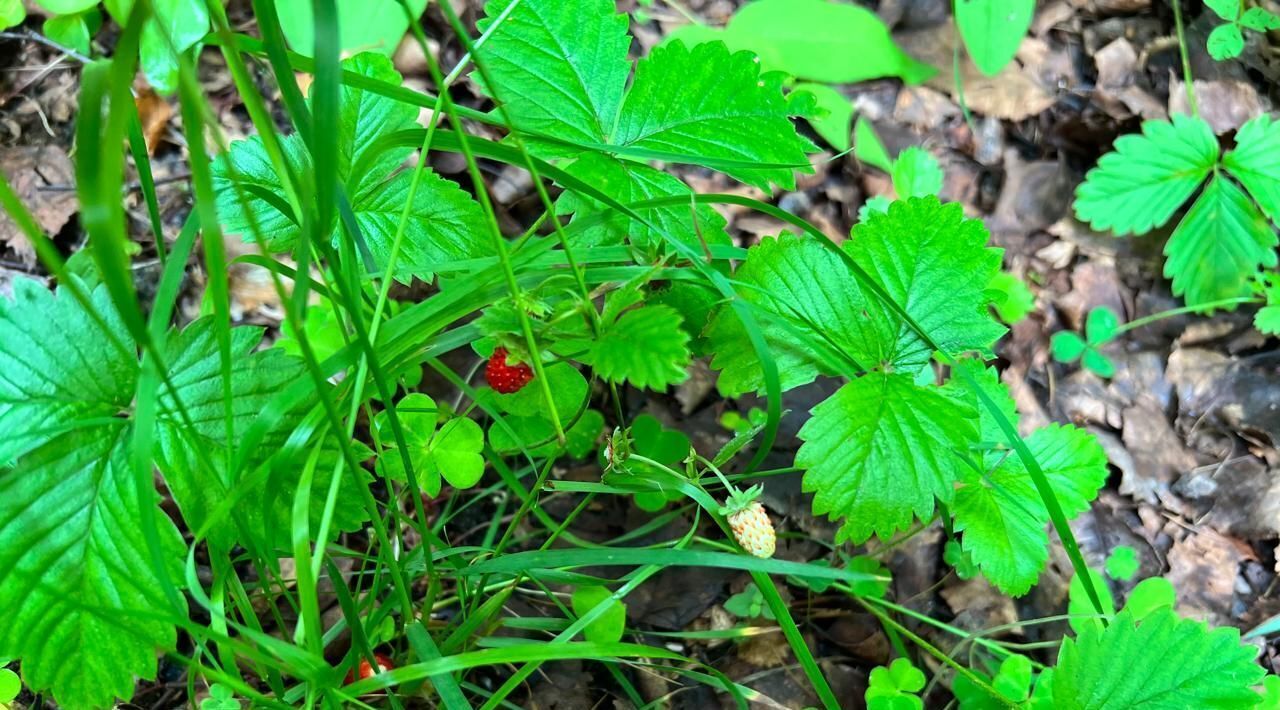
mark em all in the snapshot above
pixel 154 113
pixel 42 176
pixel 1014 93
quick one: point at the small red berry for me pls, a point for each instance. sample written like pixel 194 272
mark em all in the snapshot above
pixel 366 669
pixel 506 378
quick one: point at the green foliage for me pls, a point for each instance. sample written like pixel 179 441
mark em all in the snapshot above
pixel 1100 328
pixel 916 174
pixel 610 625
pixel 835 113
pixel 1159 660
pixel 1013 683
pixel 1267 319
pixel 1014 301
pixel 815 40
pixel 363 25
pixel 640 344
pixel 528 421
pixel 448 449
pixel 220 698
pixel 10 686
pixel 1122 564
pixel 12 12
pixel 1227 41
pixel 1219 245
pixel 444 224
pixel 748 604
pixel 565 68
pixel 70 30
pixel 993 30
pixel 895 687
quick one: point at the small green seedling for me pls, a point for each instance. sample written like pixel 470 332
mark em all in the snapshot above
pixel 220 698
pixel 1122 564
pixel 1101 326
pixel 748 604
pixel 895 687
pixel 1227 41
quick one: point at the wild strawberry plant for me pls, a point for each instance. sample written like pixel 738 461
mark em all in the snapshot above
pixel 270 454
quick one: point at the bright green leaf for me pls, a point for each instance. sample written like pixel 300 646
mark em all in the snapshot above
pixel 1017 300
pixel 823 41
pixel 1161 661
pixel 1228 10
pixel 608 628
pixel 176 26
pixel 363 25
pixel 916 173
pixel 1122 564
pixel 1219 245
pixel 1255 162
pixel 894 687
pixel 993 30
pixel 12 12
pixel 629 182
pixel 69 31
pixel 559 67
pixel 1257 18
pixel 706 105
pixel 1097 363
pixel 1100 325
pixel 66 7
pixel 1267 320
pixel 1150 595
pixel 10 685
pixel 880 450
pixel 837 114
pixel 1080 607
pixel 1225 42
pixel 1067 346
pixel 645 346
pixel 1140 184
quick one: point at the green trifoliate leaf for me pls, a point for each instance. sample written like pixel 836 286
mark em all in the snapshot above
pixel 997 506
pixel 1161 661
pixel 629 182
pixel 993 30
pixel 559 67
pixel 1140 184
pixel 609 626
pixel 1218 246
pixel 916 174
pixel 451 451
pixel 444 224
pixel 66 7
pixel 880 450
pixel 1067 346
pixel 1122 563
pixel 709 107
pixel 645 346
pixel 1255 162
pixel 895 687
pixel 1225 42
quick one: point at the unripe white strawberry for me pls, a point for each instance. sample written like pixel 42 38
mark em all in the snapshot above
pixel 753 530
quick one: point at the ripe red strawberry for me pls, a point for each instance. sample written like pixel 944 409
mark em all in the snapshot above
pixel 506 378
pixel 366 669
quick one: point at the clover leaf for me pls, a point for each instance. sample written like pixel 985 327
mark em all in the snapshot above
pixel 895 687
pixel 1100 328
pixel 451 451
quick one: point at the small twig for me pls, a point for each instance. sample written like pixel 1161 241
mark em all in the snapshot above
pixel 41 39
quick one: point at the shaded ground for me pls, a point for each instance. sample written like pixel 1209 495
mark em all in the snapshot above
pixel 1190 422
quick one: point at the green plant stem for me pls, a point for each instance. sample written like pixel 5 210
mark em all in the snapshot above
pixel 1186 57
pixel 1172 312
